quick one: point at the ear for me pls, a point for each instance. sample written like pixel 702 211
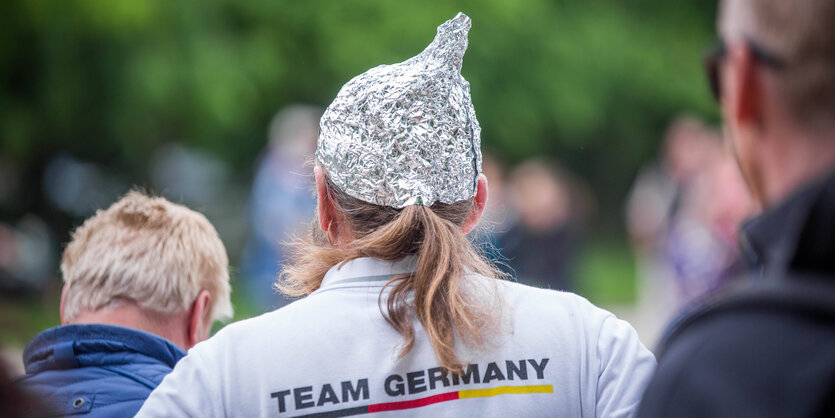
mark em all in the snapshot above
pixel 199 318
pixel 324 205
pixel 745 89
pixel 61 309
pixel 479 203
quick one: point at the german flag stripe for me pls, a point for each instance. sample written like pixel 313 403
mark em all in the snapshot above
pixel 429 400
pixel 414 403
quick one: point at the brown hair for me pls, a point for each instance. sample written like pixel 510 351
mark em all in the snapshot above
pixel 438 292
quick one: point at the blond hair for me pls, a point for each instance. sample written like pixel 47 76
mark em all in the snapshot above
pixel 439 292
pixel 801 34
pixel 148 250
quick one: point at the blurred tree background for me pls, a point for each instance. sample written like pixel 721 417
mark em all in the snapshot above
pixel 591 84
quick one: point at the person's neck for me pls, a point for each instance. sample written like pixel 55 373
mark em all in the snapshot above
pixel 130 315
pixel 799 160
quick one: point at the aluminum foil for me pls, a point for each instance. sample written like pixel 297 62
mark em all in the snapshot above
pixel 406 134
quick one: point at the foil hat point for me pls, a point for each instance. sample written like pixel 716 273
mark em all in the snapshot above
pixel 450 43
pixel 406 134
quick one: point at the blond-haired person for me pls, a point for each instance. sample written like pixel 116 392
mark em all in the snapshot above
pixel 143 281
pixel 401 316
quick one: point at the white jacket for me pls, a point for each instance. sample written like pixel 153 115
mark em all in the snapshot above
pixel 333 354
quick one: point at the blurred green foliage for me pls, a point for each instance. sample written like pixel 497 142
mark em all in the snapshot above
pixel 589 83
pixel 22 318
pixel 606 274
pixel 592 83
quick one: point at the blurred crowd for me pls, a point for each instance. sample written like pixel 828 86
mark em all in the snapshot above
pixel 682 212
pixel 682 216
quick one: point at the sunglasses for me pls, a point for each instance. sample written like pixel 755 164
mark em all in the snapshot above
pixel 713 64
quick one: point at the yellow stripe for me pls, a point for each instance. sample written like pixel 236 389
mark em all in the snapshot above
pixel 502 390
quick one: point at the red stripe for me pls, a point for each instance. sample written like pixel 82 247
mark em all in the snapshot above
pixel 414 403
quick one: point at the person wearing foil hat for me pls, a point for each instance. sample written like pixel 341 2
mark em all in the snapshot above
pixel 401 314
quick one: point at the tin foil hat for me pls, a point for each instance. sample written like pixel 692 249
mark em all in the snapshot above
pixel 406 134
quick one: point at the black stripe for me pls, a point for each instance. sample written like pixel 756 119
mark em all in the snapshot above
pixel 347 412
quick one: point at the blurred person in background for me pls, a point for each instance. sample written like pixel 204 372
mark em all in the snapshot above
pixel 541 245
pixel 655 197
pixel 401 314
pixel 766 350
pixel 281 201
pixel 27 250
pixel 143 281
pixel 658 220
pixel 702 244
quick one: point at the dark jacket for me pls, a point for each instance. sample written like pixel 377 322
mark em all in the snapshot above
pixel 767 350
pixel 96 370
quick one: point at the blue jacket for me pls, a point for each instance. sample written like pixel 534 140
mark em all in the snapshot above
pixel 97 370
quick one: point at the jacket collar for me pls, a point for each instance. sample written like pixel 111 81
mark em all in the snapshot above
pixel 796 236
pixel 82 345
pixel 366 272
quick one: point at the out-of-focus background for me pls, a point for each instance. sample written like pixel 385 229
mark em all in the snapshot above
pixel 607 171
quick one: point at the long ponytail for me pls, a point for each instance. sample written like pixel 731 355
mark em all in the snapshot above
pixel 440 293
